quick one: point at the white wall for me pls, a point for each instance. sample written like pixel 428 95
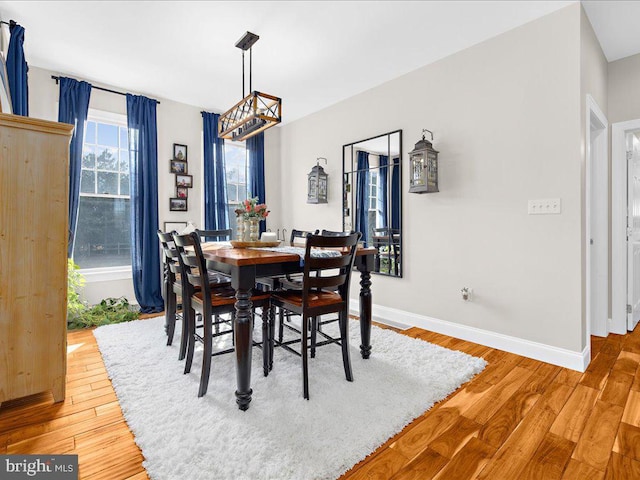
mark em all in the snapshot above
pixel 624 89
pixel 505 116
pixel 177 123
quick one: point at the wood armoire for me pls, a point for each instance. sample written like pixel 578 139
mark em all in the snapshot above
pixel 34 184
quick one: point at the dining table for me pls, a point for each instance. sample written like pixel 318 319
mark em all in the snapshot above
pixel 245 266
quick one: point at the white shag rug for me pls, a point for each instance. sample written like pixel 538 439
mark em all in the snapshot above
pixel 281 436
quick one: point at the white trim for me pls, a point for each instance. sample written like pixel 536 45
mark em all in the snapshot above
pixel 107 274
pixel 596 170
pixel 538 351
pixel 619 224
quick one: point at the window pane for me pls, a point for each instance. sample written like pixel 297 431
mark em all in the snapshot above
pixel 232 193
pixel 88 157
pixel 88 182
pixel 108 135
pixel 107 159
pixel 124 160
pixel 124 138
pixel 124 184
pixel 90 132
pixel 103 237
pixel 108 183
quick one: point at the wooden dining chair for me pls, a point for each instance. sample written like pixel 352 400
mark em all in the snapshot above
pixel 212 304
pixel 325 289
pixel 171 284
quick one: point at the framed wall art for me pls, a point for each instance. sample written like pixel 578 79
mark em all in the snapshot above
pixel 178 204
pixel 184 181
pixel 179 152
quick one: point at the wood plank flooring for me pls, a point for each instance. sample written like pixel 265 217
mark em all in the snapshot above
pixel 519 418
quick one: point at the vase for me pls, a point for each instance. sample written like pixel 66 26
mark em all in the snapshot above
pixel 253 229
pixel 240 229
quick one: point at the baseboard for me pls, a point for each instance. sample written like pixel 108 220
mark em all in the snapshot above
pixel 537 351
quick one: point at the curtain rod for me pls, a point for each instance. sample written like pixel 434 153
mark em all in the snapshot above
pixel 57 79
pixel 10 22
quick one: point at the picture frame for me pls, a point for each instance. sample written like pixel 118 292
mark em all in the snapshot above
pixel 184 180
pixel 174 226
pixel 182 192
pixel 178 205
pixel 177 166
pixel 179 152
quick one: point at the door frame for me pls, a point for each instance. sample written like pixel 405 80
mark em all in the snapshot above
pixel 619 187
pixel 596 222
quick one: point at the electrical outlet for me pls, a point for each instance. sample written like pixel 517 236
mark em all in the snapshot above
pixel 545 206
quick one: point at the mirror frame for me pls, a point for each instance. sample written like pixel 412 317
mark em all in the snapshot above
pixel 344 196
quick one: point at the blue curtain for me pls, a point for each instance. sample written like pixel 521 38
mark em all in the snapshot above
pixel 383 190
pixel 362 196
pixel 216 207
pixel 17 71
pixel 395 194
pixel 73 109
pixel 255 149
pixel 143 169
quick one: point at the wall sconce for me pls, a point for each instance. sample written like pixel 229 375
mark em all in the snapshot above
pixel 423 164
pixel 317 184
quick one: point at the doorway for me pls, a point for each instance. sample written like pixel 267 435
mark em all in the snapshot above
pixel 625 234
pixel 597 222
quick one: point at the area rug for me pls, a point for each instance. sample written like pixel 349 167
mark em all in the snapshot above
pixel 281 436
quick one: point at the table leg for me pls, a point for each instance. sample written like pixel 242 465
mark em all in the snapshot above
pixel 243 282
pixel 365 313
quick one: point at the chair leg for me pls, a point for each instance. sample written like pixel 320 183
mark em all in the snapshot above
pixel 191 341
pixel 272 327
pixel 305 360
pixel 206 358
pixel 314 328
pixel 265 341
pixel 281 327
pixel 188 327
pixel 344 341
pixel 170 316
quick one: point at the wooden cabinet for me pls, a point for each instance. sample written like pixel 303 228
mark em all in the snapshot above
pixel 34 183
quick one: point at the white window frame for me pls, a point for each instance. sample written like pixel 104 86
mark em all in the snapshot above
pixel 104 274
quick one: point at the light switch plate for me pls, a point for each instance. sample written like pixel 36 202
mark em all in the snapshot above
pixel 545 206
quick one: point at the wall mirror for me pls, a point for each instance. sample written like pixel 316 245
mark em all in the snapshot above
pixel 372 197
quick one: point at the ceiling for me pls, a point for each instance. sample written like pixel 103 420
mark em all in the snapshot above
pixel 616 26
pixel 311 53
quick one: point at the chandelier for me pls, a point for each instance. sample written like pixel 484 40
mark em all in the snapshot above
pixel 255 112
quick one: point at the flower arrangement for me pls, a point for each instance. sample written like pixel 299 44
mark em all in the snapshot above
pixel 252 209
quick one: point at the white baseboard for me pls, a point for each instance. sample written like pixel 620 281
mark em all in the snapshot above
pixel 538 351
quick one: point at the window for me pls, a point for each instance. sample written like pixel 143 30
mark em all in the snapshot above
pixel 103 233
pixel 235 156
pixel 373 190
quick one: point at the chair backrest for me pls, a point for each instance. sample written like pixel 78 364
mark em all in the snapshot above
pixel 331 233
pixel 299 237
pixel 332 273
pixel 214 235
pixel 192 264
pixel 169 253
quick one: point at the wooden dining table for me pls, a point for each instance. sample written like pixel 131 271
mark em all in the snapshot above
pixel 244 266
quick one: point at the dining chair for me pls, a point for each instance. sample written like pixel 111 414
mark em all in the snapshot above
pixel 325 289
pixel 172 289
pixel 171 284
pixel 198 296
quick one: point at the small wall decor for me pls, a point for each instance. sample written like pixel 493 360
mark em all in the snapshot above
pixel 317 183
pixel 423 166
pixel 179 152
pixel 184 181
pixel 178 166
pixel 174 226
pixel 178 204
pixel 182 192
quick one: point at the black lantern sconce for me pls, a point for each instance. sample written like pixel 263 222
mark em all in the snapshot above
pixel 318 183
pixel 423 163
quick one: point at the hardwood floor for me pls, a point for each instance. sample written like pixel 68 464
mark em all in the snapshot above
pixel 518 419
